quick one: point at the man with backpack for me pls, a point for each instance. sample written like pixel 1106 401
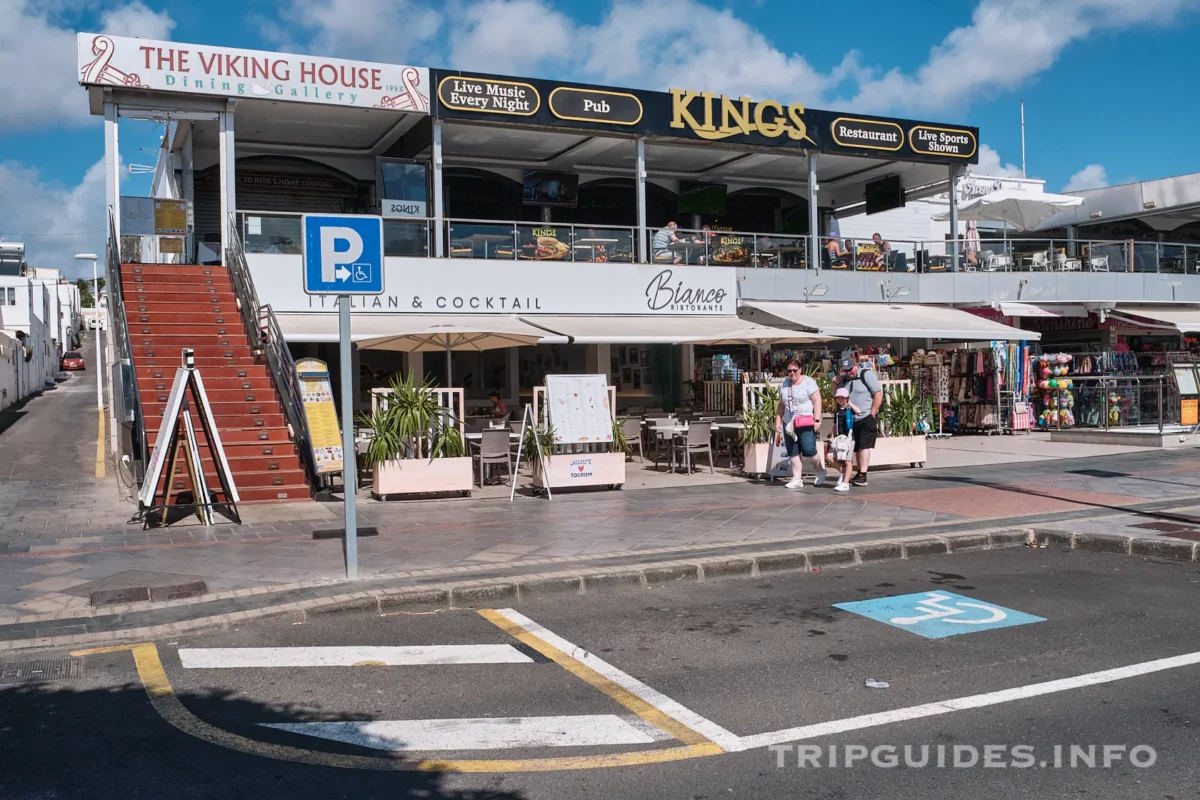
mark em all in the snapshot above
pixel 866 395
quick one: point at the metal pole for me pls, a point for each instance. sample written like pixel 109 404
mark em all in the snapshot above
pixel 954 218
pixel 349 470
pixel 814 217
pixel 641 200
pixel 1160 406
pixel 99 352
pixel 1023 175
pixel 439 232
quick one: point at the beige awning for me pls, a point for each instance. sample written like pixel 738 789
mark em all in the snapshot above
pixel 1185 319
pixel 882 320
pixel 414 332
pixel 645 329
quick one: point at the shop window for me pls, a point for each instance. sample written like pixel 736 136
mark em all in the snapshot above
pixel 479 194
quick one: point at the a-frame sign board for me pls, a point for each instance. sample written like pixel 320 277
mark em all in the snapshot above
pixel 176 433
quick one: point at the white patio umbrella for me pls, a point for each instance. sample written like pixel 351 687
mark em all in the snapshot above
pixel 973 243
pixel 760 335
pixel 429 333
pixel 1025 210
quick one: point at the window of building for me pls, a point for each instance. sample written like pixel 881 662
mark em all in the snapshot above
pixel 11 297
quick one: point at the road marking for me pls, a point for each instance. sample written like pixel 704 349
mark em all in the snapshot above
pixel 242 657
pixel 936 615
pixel 970 702
pixel 100 445
pixel 485 733
pixel 649 704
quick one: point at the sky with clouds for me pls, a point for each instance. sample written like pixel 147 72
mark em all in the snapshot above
pixel 1108 84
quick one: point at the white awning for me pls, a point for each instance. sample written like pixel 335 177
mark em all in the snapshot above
pixel 882 320
pixel 1042 310
pixel 644 329
pixel 418 332
pixel 1185 319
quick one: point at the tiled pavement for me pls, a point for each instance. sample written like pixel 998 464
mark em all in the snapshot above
pixel 63 536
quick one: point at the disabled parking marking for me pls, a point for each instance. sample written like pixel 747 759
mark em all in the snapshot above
pixel 936 615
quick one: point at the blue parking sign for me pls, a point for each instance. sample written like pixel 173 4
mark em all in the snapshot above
pixel 343 254
pixel 936 615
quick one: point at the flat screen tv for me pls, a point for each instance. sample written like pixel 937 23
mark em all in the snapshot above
pixel 701 198
pixel 884 194
pixel 551 189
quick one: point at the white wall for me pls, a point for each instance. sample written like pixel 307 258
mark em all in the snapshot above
pixel 30 316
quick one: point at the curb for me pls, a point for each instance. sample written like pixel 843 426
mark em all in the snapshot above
pixel 1119 544
pixel 462 593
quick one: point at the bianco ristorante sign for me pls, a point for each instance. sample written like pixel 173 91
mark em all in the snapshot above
pixel 506 287
pixel 231 72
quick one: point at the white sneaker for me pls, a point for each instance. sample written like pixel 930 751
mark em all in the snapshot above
pixel 795 483
pixel 820 479
pixel 842 487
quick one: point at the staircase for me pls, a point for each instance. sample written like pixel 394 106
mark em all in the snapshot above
pixel 169 307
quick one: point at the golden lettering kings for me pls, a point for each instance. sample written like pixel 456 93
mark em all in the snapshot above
pixel 737 117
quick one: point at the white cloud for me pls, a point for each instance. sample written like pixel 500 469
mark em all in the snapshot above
pixel 37 54
pixel 991 164
pixel 1007 43
pixel 1093 176
pixel 391 31
pixel 66 219
pixel 485 36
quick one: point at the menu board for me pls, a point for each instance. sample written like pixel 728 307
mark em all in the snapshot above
pixel 324 434
pixel 579 408
pixel 1185 379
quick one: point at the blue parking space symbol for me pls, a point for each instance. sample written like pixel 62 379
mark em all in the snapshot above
pixel 936 615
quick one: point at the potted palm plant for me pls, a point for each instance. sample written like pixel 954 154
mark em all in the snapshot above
pixel 418 446
pixel 758 435
pixel 899 441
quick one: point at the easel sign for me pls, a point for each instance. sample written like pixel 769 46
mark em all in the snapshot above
pixel 176 432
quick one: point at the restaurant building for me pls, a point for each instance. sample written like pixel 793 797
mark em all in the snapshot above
pixel 625 227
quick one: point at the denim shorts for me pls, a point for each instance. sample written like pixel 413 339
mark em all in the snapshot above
pixel 805 443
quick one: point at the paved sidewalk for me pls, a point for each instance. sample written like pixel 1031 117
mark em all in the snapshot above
pixel 42 575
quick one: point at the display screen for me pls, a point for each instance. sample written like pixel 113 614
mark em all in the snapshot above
pixel 551 189
pixel 884 195
pixel 701 198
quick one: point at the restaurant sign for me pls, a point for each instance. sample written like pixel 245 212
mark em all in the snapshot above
pixel 464 286
pixel 252 74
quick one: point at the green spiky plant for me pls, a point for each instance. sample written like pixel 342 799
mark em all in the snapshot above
pixel 409 423
pixel 759 421
pixel 620 442
pixel 901 411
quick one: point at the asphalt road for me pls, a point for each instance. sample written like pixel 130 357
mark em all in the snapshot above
pixel 707 673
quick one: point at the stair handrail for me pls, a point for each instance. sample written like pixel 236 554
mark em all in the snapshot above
pixel 263 329
pixel 123 349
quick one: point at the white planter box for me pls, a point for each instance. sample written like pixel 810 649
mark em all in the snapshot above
pixel 420 476
pixel 755 458
pixel 899 450
pixel 566 470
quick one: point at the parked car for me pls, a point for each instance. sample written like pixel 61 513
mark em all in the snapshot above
pixel 73 359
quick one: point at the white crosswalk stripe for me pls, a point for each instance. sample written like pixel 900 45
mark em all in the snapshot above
pixel 477 734
pixel 242 657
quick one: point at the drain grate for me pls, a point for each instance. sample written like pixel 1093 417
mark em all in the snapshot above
pixel 340 533
pixel 177 592
pixel 50 669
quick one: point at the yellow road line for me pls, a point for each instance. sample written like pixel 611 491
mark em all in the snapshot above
pixel 163 699
pixel 585 673
pixel 100 445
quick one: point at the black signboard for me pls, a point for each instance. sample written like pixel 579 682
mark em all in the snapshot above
pixel 699 116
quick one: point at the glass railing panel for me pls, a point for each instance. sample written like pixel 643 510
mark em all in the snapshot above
pixel 481 240
pixel 602 244
pixel 272 233
pixel 406 238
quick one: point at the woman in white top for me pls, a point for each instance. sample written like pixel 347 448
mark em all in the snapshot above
pixel 796 423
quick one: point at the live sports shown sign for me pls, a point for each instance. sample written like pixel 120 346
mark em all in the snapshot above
pixel 231 72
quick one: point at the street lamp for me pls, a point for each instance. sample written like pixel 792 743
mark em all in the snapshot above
pixel 96 307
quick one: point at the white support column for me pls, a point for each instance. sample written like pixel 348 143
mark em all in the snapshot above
pixel 643 241
pixel 228 171
pixel 416 366
pixel 954 218
pixel 814 216
pixel 439 228
pixel 112 167
pixel 689 362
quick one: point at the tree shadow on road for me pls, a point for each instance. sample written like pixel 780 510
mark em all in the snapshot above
pixel 61 741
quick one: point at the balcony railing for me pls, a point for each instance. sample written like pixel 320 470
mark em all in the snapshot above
pixel 279 232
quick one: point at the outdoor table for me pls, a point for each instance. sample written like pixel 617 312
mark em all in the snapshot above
pixel 488 237
pixel 475 437
pixel 591 243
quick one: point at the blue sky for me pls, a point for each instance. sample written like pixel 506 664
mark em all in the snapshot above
pixel 1108 84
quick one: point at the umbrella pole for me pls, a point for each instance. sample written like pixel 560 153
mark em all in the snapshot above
pixel 449 376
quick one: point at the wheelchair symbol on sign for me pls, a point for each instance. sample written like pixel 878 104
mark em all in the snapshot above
pixel 362 273
pixel 935 606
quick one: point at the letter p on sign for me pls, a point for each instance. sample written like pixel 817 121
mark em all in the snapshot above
pixel 343 254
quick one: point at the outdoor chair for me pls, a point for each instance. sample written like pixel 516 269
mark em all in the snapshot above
pixel 1061 262
pixel 632 428
pixel 493 449
pixel 659 436
pixel 1098 264
pixel 697 440
pixel 1039 261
